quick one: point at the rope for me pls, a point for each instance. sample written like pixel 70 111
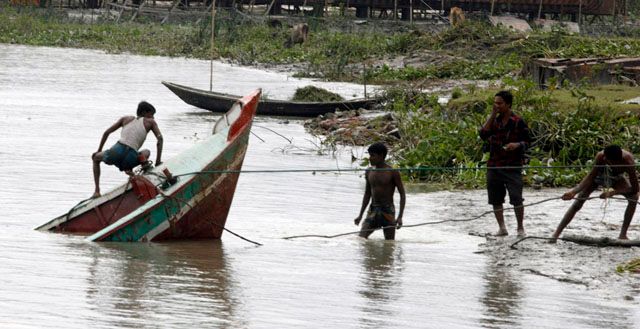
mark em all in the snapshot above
pixel 419 224
pixel 209 221
pixel 408 169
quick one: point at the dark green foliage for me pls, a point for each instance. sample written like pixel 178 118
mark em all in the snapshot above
pixel 446 137
pixel 315 94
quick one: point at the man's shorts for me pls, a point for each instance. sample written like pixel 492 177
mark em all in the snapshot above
pixel 501 181
pixel 121 156
pixel 377 217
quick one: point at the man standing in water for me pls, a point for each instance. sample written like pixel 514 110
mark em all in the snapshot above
pixel 507 136
pixel 382 182
pixel 124 154
pixel 609 171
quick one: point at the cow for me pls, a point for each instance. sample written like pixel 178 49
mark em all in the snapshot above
pixel 456 16
pixel 298 34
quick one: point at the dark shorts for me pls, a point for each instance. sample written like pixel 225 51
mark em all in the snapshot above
pixel 121 156
pixel 607 181
pixel 377 217
pixel 501 181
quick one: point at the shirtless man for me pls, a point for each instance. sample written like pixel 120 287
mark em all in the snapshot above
pixel 381 184
pixel 124 154
pixel 609 172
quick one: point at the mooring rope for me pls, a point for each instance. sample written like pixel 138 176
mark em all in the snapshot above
pixel 420 224
pixel 405 169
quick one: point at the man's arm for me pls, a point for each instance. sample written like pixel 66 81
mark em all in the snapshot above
pixel 108 132
pixel 158 134
pixel 365 199
pixel 524 138
pixel 397 180
pixel 487 128
pixel 586 181
pixel 633 179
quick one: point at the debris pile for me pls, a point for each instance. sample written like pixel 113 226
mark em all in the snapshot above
pixel 354 128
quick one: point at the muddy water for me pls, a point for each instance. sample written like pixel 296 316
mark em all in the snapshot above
pixel 55 104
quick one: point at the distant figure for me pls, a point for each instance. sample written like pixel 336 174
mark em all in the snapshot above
pixel 381 184
pixel 508 137
pixel 609 171
pixel 456 16
pixel 299 34
pixel 124 154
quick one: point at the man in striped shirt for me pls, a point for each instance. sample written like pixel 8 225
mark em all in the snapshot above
pixel 508 138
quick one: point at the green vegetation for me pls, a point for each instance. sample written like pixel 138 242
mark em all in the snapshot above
pixel 631 266
pixel 474 50
pixel 568 126
pixel 315 94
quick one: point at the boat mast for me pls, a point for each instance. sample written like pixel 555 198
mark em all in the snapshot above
pixel 213 24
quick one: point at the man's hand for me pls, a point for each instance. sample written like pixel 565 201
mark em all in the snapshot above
pixel 399 223
pixel 357 220
pixel 607 194
pixel 511 146
pixel 569 195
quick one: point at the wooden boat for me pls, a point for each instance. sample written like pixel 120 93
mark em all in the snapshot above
pixel 154 206
pixel 219 102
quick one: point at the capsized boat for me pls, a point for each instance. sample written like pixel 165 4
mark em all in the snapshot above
pixel 186 197
pixel 219 102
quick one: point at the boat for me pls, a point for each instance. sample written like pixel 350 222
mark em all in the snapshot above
pixel 219 102
pixel 186 197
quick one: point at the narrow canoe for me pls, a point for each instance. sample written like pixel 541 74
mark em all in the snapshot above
pixel 148 208
pixel 220 102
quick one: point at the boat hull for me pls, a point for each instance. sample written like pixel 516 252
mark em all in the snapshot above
pixel 152 207
pixel 220 102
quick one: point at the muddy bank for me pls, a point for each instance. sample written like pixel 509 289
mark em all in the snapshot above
pixel 591 267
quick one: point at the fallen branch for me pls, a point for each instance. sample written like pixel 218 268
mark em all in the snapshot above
pixel 600 242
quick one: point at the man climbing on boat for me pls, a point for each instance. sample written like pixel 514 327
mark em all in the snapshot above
pixel 124 154
pixel 382 182
pixel 614 169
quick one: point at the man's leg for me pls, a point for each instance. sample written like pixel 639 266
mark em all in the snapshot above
pixel 497 210
pixel 519 210
pixel 514 185
pixel 367 228
pixel 97 158
pixel 628 215
pixel 496 191
pixel 389 230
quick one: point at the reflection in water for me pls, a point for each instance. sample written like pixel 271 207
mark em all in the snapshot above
pixel 382 266
pixel 131 284
pixel 502 296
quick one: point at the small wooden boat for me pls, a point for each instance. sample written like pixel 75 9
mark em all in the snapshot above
pixel 219 102
pixel 186 197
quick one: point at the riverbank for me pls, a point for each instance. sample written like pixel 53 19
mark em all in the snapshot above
pixel 569 125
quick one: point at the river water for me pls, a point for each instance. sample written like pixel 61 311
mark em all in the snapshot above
pixel 54 106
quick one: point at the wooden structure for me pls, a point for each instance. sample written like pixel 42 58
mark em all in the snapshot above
pixel 191 203
pixel 216 102
pixel 593 70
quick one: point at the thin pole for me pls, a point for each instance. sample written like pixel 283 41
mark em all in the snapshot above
pixel 213 24
pixel 395 10
pixel 364 78
pixel 492 4
pixel 411 11
pixel 580 13
pixel 540 9
pixel 614 11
